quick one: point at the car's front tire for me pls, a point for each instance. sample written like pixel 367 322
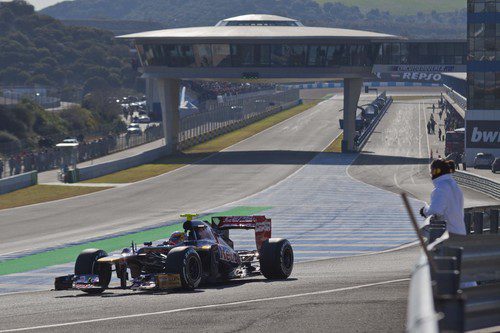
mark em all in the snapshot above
pixel 186 262
pixel 276 258
pixel 86 264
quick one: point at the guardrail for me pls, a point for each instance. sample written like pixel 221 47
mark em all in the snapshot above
pixel 421 316
pixel 465 279
pixel 456 97
pixel 478 183
pixel 365 135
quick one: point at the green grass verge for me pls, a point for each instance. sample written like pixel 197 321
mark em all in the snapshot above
pixel 69 254
pixel 43 193
pixel 198 152
pixel 336 145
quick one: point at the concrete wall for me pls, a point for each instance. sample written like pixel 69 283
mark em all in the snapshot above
pixel 18 182
pixel 106 168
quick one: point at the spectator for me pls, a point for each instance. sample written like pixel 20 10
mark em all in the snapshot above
pixel 1 168
pixel 17 164
pixel 11 165
pixel 447 200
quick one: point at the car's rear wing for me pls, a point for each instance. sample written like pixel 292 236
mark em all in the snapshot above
pixel 260 223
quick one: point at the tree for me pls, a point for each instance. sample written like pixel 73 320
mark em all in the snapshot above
pixel 79 119
pixel 95 83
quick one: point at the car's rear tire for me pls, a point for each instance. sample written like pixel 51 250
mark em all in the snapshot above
pixel 276 258
pixel 86 264
pixel 186 262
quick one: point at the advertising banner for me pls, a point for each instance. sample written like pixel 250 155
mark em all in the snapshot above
pixel 482 134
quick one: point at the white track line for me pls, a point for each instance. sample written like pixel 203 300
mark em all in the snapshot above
pixel 201 307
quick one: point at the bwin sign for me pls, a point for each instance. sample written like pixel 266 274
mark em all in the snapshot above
pixel 483 134
pixel 416 76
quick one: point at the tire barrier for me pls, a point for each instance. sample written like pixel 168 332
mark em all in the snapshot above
pixel 478 183
pixel 463 292
pixel 381 103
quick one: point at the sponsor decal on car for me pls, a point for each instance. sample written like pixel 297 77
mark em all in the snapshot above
pixel 228 255
pixel 168 281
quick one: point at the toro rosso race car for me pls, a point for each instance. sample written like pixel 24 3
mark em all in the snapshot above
pixel 203 253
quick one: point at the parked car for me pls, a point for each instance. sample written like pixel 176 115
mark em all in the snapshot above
pixel 483 161
pixel 134 129
pixel 496 165
pixel 70 140
pixel 144 119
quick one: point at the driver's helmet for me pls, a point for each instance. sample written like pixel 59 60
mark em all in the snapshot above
pixel 176 237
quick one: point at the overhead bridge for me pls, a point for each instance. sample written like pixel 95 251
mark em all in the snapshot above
pixel 278 49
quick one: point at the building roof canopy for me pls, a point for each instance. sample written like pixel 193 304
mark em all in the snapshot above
pixel 258 32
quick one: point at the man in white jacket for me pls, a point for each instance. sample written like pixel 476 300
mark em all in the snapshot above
pixel 447 199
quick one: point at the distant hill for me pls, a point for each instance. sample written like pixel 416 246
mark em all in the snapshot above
pixel 404 7
pixel 184 13
pixel 40 50
pixel 117 27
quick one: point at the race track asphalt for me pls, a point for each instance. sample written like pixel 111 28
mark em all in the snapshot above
pixel 365 293
pixel 355 294
pixel 396 157
pixel 239 171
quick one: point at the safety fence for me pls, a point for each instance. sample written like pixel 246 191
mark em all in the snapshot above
pixel 478 183
pixel 208 125
pixel 197 128
pixel 462 276
pixel 52 158
pixel 228 116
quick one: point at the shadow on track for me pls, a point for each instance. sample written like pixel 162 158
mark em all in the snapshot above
pixel 262 157
pixel 368 158
pixel 216 286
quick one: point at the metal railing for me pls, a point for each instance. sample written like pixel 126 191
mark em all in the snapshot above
pixel 456 97
pixel 228 116
pixel 51 158
pixel 478 183
pixel 466 278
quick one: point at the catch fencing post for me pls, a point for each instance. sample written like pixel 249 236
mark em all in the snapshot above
pixel 494 221
pixel 478 223
pixel 468 222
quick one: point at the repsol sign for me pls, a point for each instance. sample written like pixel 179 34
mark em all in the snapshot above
pixel 419 76
pixel 483 134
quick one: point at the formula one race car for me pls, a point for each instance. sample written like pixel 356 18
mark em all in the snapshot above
pixel 203 253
